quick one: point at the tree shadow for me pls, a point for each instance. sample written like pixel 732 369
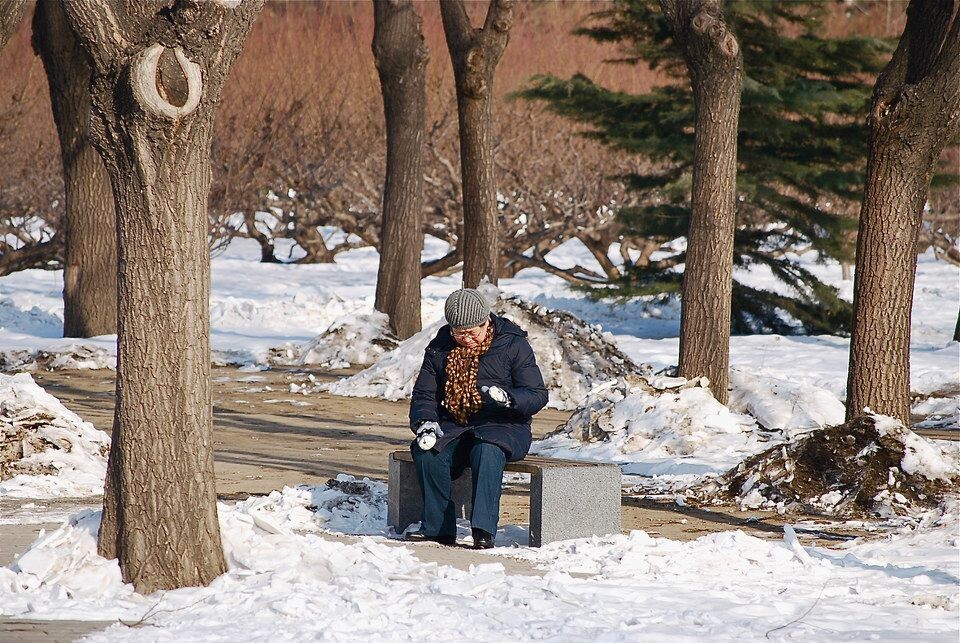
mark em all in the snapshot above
pixel 767 525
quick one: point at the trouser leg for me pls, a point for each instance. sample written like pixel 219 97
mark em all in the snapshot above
pixel 486 466
pixel 433 472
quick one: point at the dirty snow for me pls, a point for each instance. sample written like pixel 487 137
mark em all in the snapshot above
pixel 574 357
pixel 48 451
pixel 869 467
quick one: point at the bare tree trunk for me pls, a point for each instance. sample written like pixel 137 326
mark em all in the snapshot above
pixel 308 237
pixel 715 64
pixel 401 56
pixel 475 54
pixel 599 247
pixel 11 13
pixel 152 121
pixel 90 230
pixel 956 330
pixel 915 112
pixel 267 252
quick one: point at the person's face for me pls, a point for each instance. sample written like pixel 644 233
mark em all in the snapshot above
pixel 470 337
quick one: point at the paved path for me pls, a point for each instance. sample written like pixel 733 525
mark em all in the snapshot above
pixel 15 538
pixel 266 437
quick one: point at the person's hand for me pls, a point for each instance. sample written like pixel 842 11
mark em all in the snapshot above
pixel 496 395
pixel 427 435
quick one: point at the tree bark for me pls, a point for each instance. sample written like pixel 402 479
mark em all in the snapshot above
pixel 89 230
pixel 914 113
pixel 11 13
pixel 401 57
pixel 157 78
pixel 308 237
pixel 267 251
pixel 475 54
pixel 715 64
pixel 46 255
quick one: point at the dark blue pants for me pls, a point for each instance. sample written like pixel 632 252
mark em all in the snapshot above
pixel 436 471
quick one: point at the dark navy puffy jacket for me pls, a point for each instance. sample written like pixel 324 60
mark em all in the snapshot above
pixel 510 364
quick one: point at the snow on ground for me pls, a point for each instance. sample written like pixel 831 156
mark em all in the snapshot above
pixel 287 582
pixel 351 340
pixel 269 313
pixel 46 450
pixel 256 307
pixel 574 357
pixel 676 432
pixel 871 466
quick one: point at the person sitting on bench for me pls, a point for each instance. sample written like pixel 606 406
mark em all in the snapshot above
pixel 472 405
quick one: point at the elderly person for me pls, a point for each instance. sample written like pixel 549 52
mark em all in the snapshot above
pixel 472 404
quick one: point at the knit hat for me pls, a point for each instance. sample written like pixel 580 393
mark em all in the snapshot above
pixel 466 308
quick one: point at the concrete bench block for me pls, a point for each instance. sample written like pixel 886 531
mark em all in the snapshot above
pixel 568 499
pixel 574 502
pixel 404 500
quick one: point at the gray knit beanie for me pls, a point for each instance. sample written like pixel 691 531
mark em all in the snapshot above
pixel 466 308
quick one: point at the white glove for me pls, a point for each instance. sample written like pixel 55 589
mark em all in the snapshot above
pixel 497 394
pixel 427 435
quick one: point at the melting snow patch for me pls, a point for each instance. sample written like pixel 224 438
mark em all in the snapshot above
pixel 351 340
pixel 47 451
pixel 871 466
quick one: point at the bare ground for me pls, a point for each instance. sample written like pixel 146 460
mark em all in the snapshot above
pixel 266 437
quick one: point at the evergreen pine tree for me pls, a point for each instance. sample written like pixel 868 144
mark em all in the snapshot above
pixel 801 150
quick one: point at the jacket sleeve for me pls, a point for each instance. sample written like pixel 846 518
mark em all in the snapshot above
pixel 528 392
pixel 424 406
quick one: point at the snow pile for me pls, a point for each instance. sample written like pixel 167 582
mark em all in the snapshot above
pixel 573 356
pixel 293 586
pixel 70 357
pixel 676 433
pixel 351 340
pixel 779 403
pixel 392 377
pixel 345 505
pixel 657 427
pixel 46 450
pixel 867 467
pixel 938 412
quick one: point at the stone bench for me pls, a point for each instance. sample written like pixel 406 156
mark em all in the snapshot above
pixel 568 498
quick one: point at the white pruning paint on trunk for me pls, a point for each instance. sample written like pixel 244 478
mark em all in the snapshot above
pixel 144 83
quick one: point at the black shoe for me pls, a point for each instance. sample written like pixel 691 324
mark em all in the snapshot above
pixel 420 537
pixel 482 539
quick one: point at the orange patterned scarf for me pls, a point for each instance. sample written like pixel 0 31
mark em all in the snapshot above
pixel 460 395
